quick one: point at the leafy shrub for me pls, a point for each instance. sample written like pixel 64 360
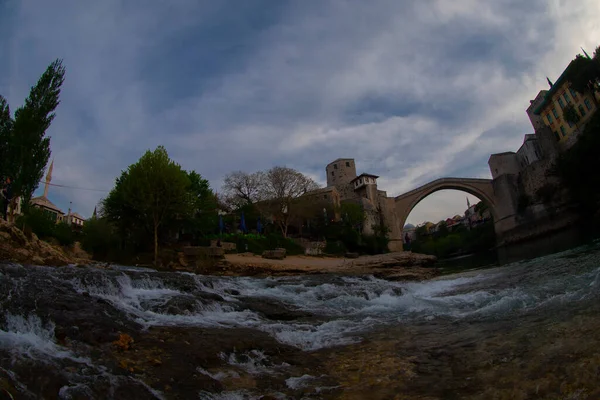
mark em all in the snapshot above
pixel 38 221
pixel 64 234
pixel 335 247
pixel 256 244
pixel 100 239
pixel 374 244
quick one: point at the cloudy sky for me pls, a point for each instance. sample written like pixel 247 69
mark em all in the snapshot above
pixel 413 90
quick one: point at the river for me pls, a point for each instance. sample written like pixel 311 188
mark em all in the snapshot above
pixel 529 329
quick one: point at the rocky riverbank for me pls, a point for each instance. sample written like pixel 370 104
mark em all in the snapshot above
pixel 391 266
pixel 16 246
pixel 28 249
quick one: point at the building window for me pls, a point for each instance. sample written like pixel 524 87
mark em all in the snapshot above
pixel 332 173
pixel 581 110
pixel 588 104
pixel 570 124
pixel 567 98
pixel 555 113
pixel 563 131
pixel 557 136
pixel 347 163
pixel 549 118
pixel 561 103
pixel 334 166
pixel 573 93
pixel 325 196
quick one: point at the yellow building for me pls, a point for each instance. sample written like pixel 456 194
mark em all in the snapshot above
pixel 550 109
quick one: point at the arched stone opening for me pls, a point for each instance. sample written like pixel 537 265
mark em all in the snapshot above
pixel 480 188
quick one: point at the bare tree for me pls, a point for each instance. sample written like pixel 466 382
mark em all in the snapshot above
pixel 281 187
pixel 241 188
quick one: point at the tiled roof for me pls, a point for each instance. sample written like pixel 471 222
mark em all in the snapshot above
pixel 75 215
pixel 45 203
pixel 557 85
pixel 364 174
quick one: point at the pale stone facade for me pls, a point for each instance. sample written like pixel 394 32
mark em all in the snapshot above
pixel 362 189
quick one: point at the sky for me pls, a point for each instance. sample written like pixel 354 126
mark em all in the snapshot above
pixel 412 90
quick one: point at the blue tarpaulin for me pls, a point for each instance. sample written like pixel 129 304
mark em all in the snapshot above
pixel 258 225
pixel 243 223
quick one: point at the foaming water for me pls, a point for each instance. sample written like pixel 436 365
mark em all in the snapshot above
pixel 31 338
pixel 344 308
pixel 306 312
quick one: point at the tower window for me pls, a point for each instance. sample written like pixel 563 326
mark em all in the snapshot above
pixel 334 166
pixel 332 173
pixel 347 163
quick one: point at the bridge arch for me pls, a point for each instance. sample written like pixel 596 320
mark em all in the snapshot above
pixel 480 188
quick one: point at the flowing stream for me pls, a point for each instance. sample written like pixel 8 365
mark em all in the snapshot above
pixel 525 330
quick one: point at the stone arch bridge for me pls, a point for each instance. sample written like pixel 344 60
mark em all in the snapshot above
pixel 497 196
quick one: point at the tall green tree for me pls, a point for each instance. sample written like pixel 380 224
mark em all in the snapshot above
pixel 25 147
pixel 6 123
pixel 585 74
pixel 203 218
pixel 150 193
pixel 353 215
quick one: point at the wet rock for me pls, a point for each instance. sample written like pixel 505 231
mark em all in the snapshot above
pixel 273 310
pixel 178 305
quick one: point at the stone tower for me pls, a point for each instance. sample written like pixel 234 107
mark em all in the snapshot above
pixel 340 174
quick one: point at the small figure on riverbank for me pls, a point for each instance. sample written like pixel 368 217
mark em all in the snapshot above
pixel 6 197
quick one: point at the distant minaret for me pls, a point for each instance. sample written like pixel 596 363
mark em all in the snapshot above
pixel 586 54
pixel 468 203
pixel 94 215
pixel 549 82
pixel 48 179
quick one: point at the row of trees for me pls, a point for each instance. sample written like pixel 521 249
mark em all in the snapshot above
pixel 24 147
pixel 274 192
pixel 155 198
pixel 458 240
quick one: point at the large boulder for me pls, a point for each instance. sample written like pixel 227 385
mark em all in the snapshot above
pixel 277 254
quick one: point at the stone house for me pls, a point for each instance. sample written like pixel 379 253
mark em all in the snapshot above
pixel 551 107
